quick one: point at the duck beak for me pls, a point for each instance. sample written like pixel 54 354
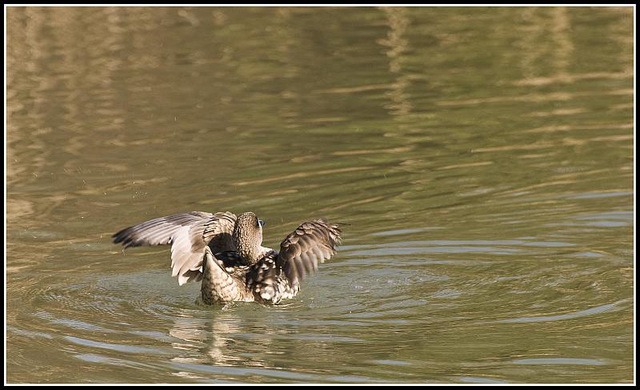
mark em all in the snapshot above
pixel 261 223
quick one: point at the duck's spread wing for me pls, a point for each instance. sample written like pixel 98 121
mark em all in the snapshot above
pixel 188 234
pixel 311 243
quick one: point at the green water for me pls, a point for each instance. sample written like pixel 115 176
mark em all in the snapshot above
pixel 482 157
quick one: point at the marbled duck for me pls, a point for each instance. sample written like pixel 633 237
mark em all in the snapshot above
pixel 225 252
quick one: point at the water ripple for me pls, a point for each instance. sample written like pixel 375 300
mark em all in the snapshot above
pixel 582 313
pixel 116 347
pixel 556 361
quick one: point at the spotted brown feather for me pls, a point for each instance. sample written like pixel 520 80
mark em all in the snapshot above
pixel 311 243
pixel 188 233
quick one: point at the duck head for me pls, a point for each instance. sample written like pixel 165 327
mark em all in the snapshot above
pixel 247 237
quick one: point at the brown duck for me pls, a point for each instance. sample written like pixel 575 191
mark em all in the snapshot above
pixel 225 252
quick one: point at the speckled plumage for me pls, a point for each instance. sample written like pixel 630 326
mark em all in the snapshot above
pixel 225 252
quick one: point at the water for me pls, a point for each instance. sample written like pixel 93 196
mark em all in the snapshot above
pixel 482 157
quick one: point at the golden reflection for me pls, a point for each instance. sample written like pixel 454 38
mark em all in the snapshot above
pixel 219 17
pixel 301 175
pixel 477 164
pixel 571 78
pixel 84 62
pixel 545 40
pixel 612 138
pixel 554 128
pixel 97 64
pixel 282 192
pixel 547 48
pixel 622 107
pixel 215 335
pixel 531 146
pixel 623 35
pixel 145 50
pixel 326 119
pixel 538 155
pixel 529 36
pixel 399 149
pixel 569 141
pixel 537 97
pixel 285 41
pixel 188 15
pixel 560 35
pixel 558 112
pixel 18 209
pixel 361 88
pixel 25 53
pixel 397 45
pixel 64 27
pixel 227 338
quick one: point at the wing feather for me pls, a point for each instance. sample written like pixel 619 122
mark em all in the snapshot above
pixel 188 234
pixel 310 244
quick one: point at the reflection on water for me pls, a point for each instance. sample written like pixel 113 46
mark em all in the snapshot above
pixel 481 157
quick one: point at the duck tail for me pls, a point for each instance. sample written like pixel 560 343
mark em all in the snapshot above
pixel 218 286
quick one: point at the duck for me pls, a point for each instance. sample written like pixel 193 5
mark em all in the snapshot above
pixel 224 252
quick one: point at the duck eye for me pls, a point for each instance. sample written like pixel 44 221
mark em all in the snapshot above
pixel 261 223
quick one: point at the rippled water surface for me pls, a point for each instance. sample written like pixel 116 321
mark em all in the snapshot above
pixel 481 157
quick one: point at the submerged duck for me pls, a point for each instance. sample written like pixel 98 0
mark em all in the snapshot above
pixel 225 252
